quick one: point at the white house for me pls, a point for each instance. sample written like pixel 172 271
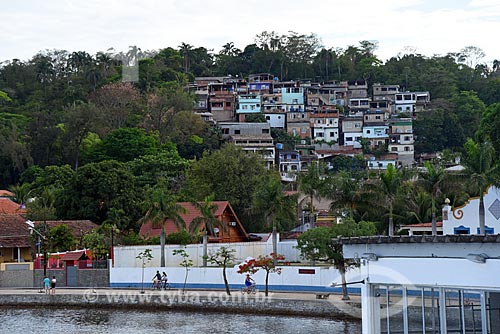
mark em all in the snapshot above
pixel 465 219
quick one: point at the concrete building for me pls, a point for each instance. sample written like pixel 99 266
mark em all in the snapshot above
pixel 428 284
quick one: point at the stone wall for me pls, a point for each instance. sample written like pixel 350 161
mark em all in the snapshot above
pixel 84 277
pixel 16 278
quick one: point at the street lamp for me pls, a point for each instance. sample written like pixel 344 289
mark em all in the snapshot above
pixel 41 237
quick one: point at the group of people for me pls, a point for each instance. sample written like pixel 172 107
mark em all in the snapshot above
pixel 49 285
pixel 160 280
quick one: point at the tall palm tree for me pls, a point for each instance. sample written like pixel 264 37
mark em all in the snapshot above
pixel 311 183
pixel 433 180
pixel 270 200
pixel 206 221
pixel 388 186
pixel 481 171
pixel 345 192
pixel 161 205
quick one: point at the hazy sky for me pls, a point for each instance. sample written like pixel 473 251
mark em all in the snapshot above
pixel 430 27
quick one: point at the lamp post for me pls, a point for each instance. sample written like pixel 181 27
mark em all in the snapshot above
pixel 41 237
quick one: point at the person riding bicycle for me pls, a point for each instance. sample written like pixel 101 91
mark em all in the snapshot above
pixel 164 280
pixel 249 281
pixel 157 279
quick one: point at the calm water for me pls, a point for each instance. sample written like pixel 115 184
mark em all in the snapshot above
pixel 56 321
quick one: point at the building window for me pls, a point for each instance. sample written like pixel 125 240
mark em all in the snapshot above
pixel 394 149
pixel 265 131
pixel 237 132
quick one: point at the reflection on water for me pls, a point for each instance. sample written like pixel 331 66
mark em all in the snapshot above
pixel 120 322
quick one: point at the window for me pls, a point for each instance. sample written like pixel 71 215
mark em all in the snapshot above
pixel 394 149
pixel 332 134
pixel 348 138
pixel 368 131
pixel 407 149
pixel 237 131
pixel 265 131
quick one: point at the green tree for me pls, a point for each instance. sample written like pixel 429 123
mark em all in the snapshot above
pixel 145 256
pixel 481 170
pixel 345 192
pixel 60 239
pixel 387 186
pixel 161 205
pixel 311 183
pixel 206 221
pixel 98 187
pixel 186 262
pixel 434 180
pixel 270 200
pixel 318 244
pixel 224 257
pixel 124 144
pixel 490 125
pixel 230 174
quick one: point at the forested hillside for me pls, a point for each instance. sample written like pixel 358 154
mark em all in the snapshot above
pixel 93 146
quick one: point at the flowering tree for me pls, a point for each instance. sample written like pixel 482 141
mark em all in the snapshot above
pixel 266 263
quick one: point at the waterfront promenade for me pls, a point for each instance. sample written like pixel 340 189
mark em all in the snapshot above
pixel 277 303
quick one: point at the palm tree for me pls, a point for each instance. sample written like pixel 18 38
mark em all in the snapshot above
pixel 345 192
pixel 270 199
pixel 481 171
pixel 433 180
pixel 207 220
pixel 389 185
pixel 161 205
pixel 311 184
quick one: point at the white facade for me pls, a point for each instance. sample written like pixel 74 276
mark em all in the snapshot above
pixel 428 284
pixel 276 120
pixel 465 219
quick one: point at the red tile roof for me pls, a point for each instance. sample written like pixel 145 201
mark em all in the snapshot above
pixel 438 224
pixel 8 206
pixel 14 232
pixel 74 256
pixel 223 208
pixel 77 227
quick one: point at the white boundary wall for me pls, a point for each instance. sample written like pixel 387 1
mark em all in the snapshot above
pixel 211 277
pixel 126 256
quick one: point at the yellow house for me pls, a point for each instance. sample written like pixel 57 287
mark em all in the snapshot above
pixel 15 245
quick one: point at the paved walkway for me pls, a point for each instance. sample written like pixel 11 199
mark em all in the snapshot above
pixel 81 291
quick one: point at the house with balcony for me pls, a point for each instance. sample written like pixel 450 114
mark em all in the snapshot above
pixel 325 126
pixel 292 99
pixel 221 101
pixel 297 124
pixel 401 140
pixel 357 89
pixel 261 83
pixel 359 105
pixel 248 104
pixel 251 137
pixel 352 131
pixel 289 165
pixel 328 94
pixel 381 162
pixel 375 128
pixel 423 99
pixel 385 92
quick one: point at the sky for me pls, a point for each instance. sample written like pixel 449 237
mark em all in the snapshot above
pixel 426 27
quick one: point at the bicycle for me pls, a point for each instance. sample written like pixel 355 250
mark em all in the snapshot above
pixel 156 285
pixel 249 289
pixel 165 285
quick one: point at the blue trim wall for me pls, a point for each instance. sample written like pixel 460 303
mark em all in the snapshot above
pixel 280 288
